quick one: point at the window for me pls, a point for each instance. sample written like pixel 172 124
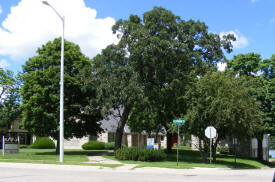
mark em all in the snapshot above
pixel 111 137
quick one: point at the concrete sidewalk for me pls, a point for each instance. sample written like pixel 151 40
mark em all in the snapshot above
pixel 98 159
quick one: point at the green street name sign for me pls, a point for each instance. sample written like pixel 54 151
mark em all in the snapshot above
pixel 179 122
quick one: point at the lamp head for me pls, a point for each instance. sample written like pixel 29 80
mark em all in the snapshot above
pixel 46 3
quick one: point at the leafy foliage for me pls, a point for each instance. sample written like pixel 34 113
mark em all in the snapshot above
pixel 139 154
pixel 109 145
pixel 245 64
pixel 116 85
pixel 223 149
pixel 93 145
pixel 40 92
pixel 43 143
pixel 9 99
pixel 167 53
pixel 226 102
pixel 262 72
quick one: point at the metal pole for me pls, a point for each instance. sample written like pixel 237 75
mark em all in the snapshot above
pixel 3 146
pixel 210 147
pixel 61 135
pixel 268 147
pixel 235 151
pixel 61 122
pixel 178 145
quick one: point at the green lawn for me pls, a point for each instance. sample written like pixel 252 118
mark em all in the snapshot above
pixel 48 156
pixel 190 159
pixel 187 159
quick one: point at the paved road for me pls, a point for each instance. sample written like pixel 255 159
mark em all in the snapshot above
pixel 11 172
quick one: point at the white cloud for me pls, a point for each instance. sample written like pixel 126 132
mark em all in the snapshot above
pixel 254 1
pixel 3 63
pixel 31 24
pixel 241 41
pixel 221 66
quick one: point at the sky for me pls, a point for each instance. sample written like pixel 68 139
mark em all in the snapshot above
pixel 26 25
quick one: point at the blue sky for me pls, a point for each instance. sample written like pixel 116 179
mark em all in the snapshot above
pixel 27 24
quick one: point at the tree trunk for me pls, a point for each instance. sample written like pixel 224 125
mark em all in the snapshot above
pixel 203 153
pixel 214 150
pixel 120 126
pixel 57 150
pixel 260 147
pixel 169 142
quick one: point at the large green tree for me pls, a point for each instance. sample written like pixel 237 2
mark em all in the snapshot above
pixel 164 50
pixel 268 93
pixel 261 72
pixel 224 101
pixel 40 93
pixel 116 84
pixel 9 99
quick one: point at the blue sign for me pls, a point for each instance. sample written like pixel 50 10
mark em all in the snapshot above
pixel 150 143
pixel 179 122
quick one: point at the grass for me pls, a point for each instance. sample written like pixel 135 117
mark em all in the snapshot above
pixel 189 159
pixel 48 156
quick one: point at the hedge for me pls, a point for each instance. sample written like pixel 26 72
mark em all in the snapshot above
pixel 223 150
pixel 109 146
pixel 43 143
pixel 93 145
pixel 140 154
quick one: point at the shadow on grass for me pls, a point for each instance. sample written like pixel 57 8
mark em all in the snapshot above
pixel 77 152
pixel 189 156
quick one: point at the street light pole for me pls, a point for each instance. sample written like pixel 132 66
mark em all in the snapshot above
pixel 61 122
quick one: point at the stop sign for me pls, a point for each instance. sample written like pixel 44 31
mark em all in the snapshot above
pixel 210 132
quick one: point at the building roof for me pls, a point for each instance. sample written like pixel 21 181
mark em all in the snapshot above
pixel 110 124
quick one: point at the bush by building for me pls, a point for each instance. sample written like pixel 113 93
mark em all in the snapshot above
pixel 109 146
pixel 93 145
pixel 43 143
pixel 140 154
pixel 223 150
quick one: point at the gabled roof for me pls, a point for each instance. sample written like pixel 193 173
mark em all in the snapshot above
pixel 110 125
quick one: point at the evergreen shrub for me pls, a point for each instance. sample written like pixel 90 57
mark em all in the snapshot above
pixel 109 146
pixel 93 145
pixel 140 154
pixel 43 143
pixel 223 150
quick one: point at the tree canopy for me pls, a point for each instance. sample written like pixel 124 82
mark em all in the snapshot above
pixel 116 85
pixel 224 101
pixel 40 93
pixel 9 99
pixel 262 74
pixel 167 52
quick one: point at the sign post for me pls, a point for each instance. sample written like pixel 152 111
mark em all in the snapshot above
pixel 210 132
pixel 178 123
pixel 3 146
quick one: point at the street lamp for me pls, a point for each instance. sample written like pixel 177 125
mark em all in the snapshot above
pixel 61 123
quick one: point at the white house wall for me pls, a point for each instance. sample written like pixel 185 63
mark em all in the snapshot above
pixel 75 143
pixel 103 137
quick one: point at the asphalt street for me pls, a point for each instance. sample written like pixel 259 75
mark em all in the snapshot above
pixel 12 172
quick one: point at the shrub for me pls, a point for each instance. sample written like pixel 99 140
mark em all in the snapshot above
pixel 139 154
pixel 93 145
pixel 43 143
pixel 24 146
pixel 223 150
pixel 109 146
